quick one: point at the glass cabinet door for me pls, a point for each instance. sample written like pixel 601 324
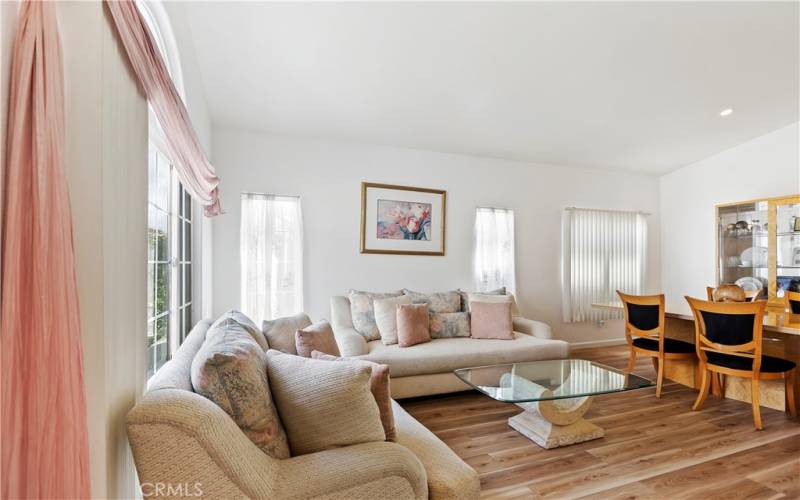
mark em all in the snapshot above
pixel 785 258
pixel 743 243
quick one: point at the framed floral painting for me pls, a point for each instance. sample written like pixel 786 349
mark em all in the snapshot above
pixel 402 220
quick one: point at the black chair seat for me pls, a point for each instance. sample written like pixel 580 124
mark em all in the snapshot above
pixel 768 363
pixel 670 345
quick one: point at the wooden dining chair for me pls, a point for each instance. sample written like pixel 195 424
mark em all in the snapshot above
pixel 792 301
pixel 728 338
pixel 644 331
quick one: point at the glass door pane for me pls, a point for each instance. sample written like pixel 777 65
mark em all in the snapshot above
pixel 787 228
pixel 744 245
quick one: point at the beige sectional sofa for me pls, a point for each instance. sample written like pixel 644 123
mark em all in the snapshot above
pixel 182 442
pixel 426 369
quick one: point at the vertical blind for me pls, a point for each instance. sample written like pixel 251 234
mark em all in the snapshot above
pixel 271 256
pixel 494 249
pixel 603 251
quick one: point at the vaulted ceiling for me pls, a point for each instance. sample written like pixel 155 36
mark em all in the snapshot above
pixel 633 86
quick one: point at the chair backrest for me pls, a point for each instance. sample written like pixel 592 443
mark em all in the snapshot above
pixel 792 301
pixel 733 328
pixel 710 293
pixel 644 315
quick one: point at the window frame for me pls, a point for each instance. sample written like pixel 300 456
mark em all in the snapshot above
pixel 158 22
pixel 176 264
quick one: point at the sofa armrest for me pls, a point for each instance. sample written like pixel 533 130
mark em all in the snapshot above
pixel 350 342
pixel 180 438
pixel 532 327
pixel 345 469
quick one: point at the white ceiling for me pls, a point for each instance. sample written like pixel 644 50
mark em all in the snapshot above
pixel 634 86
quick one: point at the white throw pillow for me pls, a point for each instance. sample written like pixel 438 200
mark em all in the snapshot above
pixel 323 405
pixel 491 298
pixel 386 317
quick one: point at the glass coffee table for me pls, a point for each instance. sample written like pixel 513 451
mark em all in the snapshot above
pixel 555 395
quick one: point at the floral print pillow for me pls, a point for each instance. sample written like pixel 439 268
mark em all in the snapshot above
pixel 363 312
pixel 449 325
pixel 443 302
pixel 230 369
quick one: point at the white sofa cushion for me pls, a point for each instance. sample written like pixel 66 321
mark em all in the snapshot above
pixel 386 316
pixel 280 332
pixel 445 355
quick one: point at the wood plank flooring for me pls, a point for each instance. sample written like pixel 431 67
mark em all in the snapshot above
pixel 653 448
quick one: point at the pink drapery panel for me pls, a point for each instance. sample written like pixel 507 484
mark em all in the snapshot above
pixel 45 450
pixel 195 171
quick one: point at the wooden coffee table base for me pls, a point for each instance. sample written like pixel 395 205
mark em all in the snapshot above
pixel 555 423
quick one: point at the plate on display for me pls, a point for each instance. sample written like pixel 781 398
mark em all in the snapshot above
pixel 755 256
pixel 749 284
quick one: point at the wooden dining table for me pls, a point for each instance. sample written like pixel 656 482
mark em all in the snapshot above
pixel 781 339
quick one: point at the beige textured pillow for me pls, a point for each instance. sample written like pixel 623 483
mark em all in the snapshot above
pixel 386 317
pixel 317 337
pixel 230 370
pixel 280 332
pixel 378 384
pixel 323 405
pixel 246 323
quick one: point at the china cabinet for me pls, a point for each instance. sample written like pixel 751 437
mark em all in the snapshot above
pixel 758 246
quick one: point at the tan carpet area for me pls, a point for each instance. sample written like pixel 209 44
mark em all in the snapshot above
pixel 652 448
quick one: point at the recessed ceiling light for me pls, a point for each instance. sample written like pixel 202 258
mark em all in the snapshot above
pixel 726 112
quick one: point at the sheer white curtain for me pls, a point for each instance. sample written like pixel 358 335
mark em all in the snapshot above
pixel 494 249
pixel 603 251
pixel 271 256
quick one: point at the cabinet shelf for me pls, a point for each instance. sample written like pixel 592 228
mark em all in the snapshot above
pixel 770 224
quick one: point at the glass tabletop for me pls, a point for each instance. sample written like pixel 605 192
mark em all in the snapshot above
pixel 548 380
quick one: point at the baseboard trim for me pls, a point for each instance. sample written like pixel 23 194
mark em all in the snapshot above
pixel 598 343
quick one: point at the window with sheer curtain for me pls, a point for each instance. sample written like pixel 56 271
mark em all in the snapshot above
pixel 494 249
pixel 271 256
pixel 603 251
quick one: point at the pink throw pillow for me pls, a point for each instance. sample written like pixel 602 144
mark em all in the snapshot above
pixel 378 385
pixel 317 337
pixel 491 320
pixel 412 324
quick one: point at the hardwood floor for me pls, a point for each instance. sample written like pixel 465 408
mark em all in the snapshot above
pixel 652 449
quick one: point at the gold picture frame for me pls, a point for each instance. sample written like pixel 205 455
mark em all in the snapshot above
pixel 429 229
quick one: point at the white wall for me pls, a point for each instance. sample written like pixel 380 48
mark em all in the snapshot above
pixel 106 158
pixel 327 176
pixel 763 167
